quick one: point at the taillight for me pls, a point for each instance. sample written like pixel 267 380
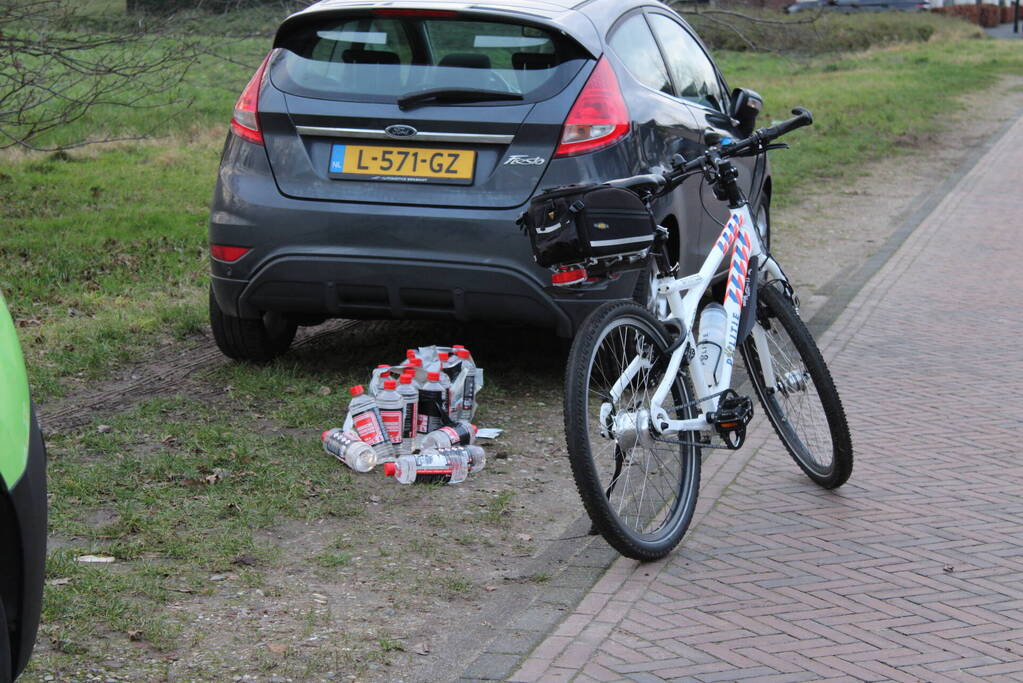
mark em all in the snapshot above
pixel 245 122
pixel 223 252
pixel 599 117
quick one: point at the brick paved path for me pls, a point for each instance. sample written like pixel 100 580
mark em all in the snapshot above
pixel 913 571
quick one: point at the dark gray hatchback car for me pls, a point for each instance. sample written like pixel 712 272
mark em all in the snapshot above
pixel 380 155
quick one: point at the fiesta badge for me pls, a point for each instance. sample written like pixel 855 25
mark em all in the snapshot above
pixel 399 130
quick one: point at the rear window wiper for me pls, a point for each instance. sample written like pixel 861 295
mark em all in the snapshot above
pixel 455 95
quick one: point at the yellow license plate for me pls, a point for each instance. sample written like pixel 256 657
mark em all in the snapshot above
pixel 408 164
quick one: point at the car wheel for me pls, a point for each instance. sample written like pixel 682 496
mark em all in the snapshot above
pixel 763 223
pixel 645 293
pixel 257 340
pixel 6 664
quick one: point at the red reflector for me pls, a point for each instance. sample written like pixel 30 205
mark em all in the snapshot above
pixel 222 252
pixel 245 122
pixel 428 13
pixel 599 117
pixel 563 278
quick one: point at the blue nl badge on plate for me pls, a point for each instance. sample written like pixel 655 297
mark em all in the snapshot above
pixel 337 159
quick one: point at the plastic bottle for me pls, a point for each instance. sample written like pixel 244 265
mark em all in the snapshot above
pixel 451 364
pixel 445 380
pixel 710 344
pixel 459 434
pixel 391 405
pixel 376 382
pixel 410 414
pixel 475 456
pixel 418 372
pixel 409 355
pixel 349 449
pixel 368 424
pixel 466 389
pixel 431 404
pixel 450 465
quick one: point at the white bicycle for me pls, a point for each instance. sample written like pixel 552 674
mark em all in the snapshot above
pixel 644 393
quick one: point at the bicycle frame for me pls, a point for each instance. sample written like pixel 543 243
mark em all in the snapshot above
pixel 737 231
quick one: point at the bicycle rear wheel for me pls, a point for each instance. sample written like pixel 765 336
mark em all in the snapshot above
pixel 638 489
pixel 802 403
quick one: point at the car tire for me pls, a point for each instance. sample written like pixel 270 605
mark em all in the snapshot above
pixel 258 340
pixel 6 662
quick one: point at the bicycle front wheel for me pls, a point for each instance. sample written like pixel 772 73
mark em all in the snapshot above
pixel 801 401
pixel 638 488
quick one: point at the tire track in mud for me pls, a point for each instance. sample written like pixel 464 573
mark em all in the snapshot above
pixel 162 374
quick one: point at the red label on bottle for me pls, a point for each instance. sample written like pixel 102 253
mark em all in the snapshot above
pixel 392 423
pixel 368 428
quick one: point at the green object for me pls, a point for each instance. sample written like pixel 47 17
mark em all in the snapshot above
pixel 15 407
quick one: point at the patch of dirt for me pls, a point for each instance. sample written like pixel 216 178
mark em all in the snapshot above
pixel 376 597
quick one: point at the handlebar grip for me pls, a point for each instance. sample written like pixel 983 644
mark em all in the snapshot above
pixel 802 117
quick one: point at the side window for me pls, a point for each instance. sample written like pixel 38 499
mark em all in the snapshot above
pixel 695 77
pixel 636 47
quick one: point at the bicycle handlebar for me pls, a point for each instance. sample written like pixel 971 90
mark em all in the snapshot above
pixel 657 183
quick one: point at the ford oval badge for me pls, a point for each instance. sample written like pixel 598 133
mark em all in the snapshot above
pixel 398 130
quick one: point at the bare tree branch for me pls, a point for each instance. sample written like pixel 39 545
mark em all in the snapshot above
pixel 52 72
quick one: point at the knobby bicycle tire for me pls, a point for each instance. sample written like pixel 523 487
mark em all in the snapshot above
pixel 639 492
pixel 804 396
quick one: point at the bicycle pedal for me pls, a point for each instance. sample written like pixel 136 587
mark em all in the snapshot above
pixel 733 414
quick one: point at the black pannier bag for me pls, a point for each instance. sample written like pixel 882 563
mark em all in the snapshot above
pixel 579 224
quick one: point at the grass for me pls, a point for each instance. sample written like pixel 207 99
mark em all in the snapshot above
pixel 866 106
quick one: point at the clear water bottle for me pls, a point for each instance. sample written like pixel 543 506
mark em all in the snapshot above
pixel 410 413
pixel 449 466
pixel 391 405
pixel 368 424
pixel 459 434
pixel 475 456
pixel 710 345
pixel 409 355
pixel 466 387
pixel 432 413
pixel 349 449
pixel 376 382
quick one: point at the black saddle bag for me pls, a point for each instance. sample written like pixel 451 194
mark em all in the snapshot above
pixel 585 223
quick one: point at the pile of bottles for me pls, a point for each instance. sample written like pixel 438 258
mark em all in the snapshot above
pixel 415 419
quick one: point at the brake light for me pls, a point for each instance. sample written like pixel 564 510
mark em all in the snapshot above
pixel 223 252
pixel 245 122
pixel 426 13
pixel 599 117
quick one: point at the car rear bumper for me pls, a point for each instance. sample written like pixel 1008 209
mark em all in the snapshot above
pixel 360 287
pixel 365 260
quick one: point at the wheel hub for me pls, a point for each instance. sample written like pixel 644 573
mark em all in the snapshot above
pixel 632 429
pixel 793 381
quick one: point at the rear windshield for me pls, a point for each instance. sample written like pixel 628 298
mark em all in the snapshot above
pixel 373 58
